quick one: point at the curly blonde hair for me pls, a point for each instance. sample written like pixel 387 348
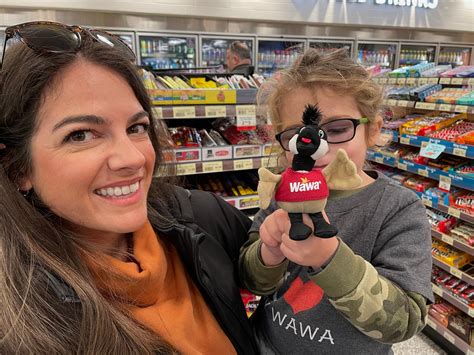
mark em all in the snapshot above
pixel 315 69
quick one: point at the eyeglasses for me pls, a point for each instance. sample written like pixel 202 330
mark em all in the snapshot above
pixel 337 131
pixel 54 37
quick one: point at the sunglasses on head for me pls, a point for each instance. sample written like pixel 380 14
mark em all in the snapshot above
pixel 54 37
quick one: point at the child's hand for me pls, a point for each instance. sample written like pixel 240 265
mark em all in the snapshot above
pixel 271 232
pixel 277 245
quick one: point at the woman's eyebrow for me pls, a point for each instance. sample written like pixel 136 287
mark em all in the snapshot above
pixel 93 119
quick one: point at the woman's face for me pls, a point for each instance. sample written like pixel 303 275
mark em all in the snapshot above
pixel 92 158
pixel 333 106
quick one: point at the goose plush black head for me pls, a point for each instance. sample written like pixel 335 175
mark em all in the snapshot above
pixel 309 143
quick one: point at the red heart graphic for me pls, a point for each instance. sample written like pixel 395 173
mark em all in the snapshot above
pixel 303 296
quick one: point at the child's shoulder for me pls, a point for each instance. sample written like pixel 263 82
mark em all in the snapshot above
pixel 395 191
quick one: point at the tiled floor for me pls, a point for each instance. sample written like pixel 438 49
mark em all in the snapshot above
pixel 419 345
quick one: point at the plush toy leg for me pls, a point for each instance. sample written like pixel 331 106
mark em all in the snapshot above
pixel 298 230
pixel 322 228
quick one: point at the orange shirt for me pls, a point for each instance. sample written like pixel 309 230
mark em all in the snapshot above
pixel 158 293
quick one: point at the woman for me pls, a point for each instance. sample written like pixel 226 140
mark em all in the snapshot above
pixel 98 256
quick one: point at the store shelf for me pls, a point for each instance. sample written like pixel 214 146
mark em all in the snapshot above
pixel 244 202
pixel 455 212
pixel 426 171
pixel 450 336
pixel 453 300
pixel 204 111
pixel 391 133
pixel 161 97
pixel 217 166
pixel 430 106
pixel 461 150
pixel 453 271
pixel 406 81
pixel 452 241
pixel 456 81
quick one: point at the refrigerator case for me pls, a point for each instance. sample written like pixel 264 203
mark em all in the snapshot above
pixel 214 49
pixel 454 55
pixel 412 54
pixel 332 45
pixel 274 54
pixel 377 53
pixel 167 51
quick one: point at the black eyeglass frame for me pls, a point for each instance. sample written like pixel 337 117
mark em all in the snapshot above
pixel 356 122
pixel 14 31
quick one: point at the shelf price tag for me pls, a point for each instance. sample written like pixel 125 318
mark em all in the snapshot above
pixel 215 111
pixel 431 323
pixel 402 166
pixel 392 102
pixel 379 160
pixel 184 112
pixel 432 150
pixel 437 290
pixel 186 169
pixel 403 103
pixel 423 172
pixel 445 107
pixel 457 81
pixel 405 140
pixel 243 164
pixel 449 337
pixel 459 152
pixel 454 212
pixel 426 201
pixel 455 272
pixel 157 112
pixel 383 80
pixel 411 81
pixel 426 105
pixel 447 239
pixel 444 183
pixel 422 80
pixel 212 167
pixel 246 117
pixel 401 81
pixel 392 81
pixel 460 108
pixel 470 311
pixel 433 80
pixel 445 80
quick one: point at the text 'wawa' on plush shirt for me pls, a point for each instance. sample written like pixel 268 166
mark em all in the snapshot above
pixel 298 186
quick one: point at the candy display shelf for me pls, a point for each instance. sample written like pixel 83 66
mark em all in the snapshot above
pixel 430 106
pixel 421 81
pixel 452 241
pixel 453 300
pixel 450 336
pixel 244 202
pixel 217 166
pixel 453 271
pixel 423 170
pixel 203 111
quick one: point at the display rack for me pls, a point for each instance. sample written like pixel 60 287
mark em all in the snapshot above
pixel 445 179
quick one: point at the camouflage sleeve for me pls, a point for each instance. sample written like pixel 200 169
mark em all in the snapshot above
pixel 373 304
pixel 255 276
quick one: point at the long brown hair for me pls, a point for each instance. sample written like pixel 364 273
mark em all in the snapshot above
pixel 34 242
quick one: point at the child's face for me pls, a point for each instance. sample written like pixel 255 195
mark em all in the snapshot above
pixel 333 106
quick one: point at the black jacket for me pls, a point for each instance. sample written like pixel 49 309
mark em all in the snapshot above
pixel 208 234
pixel 244 69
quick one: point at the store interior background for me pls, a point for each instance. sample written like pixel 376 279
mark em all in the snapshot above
pixel 361 25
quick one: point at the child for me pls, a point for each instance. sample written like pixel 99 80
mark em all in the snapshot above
pixel 366 288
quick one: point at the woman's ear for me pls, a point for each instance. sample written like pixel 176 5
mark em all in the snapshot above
pixel 25 184
pixel 374 129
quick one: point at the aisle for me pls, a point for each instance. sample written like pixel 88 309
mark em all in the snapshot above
pixel 419 345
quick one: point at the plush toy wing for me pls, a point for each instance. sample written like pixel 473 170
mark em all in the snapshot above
pixel 341 173
pixel 266 186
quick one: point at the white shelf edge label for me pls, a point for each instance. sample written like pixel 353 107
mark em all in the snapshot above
pixel 186 169
pixel 212 166
pixel 215 111
pixel 243 164
pixel 444 182
pixel 184 112
pixel 454 212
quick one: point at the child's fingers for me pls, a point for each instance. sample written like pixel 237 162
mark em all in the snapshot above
pixel 268 237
